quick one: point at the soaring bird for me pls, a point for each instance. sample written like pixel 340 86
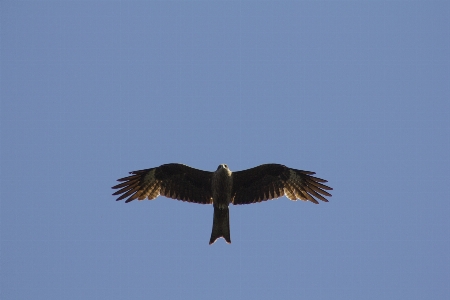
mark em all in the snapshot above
pixel 222 187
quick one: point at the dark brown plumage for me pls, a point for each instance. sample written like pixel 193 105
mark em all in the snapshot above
pixel 174 181
pixel 222 187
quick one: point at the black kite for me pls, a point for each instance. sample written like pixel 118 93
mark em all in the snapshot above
pixel 222 187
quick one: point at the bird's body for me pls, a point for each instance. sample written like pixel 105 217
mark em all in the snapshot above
pixel 222 187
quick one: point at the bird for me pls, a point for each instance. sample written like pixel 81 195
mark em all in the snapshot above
pixel 222 187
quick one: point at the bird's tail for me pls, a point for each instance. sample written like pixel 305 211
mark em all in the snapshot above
pixel 221 225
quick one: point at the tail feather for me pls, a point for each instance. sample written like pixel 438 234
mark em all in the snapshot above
pixel 221 225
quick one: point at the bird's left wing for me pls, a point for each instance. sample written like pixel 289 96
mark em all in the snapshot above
pixel 174 181
pixel 271 181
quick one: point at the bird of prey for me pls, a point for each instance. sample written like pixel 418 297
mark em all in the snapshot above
pixel 222 187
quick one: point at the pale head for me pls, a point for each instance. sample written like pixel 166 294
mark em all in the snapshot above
pixel 222 166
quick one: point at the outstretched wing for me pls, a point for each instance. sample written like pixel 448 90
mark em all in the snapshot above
pixel 174 181
pixel 271 181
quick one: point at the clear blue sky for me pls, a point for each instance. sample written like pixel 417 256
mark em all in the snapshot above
pixel 358 92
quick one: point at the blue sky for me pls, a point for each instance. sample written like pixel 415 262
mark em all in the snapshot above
pixel 356 91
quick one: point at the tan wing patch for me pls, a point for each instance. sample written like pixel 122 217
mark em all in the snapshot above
pixel 150 187
pixel 139 186
pixel 305 187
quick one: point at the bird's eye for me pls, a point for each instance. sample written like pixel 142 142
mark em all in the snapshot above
pixel 226 166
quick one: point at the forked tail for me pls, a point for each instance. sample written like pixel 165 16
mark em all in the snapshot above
pixel 221 225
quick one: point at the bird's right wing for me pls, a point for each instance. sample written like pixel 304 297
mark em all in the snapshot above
pixel 174 181
pixel 271 181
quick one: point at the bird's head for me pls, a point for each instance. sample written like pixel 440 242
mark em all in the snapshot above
pixel 222 166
